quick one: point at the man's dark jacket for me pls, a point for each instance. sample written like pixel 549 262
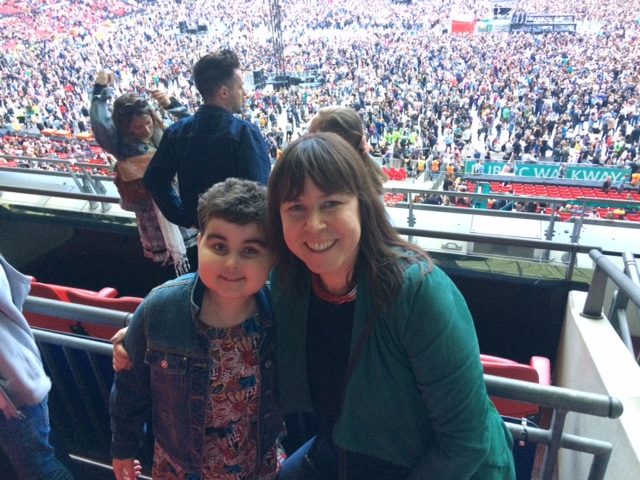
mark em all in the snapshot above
pixel 203 149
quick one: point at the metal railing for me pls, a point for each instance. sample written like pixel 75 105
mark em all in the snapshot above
pixel 90 197
pixel 85 180
pixel 561 400
pixel 547 245
pixel 628 284
pixel 573 249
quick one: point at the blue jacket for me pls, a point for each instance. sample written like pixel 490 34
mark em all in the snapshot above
pixel 204 149
pixel 171 375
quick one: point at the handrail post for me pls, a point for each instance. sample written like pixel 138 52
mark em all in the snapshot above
pixel 573 259
pixel 595 297
pixel 599 465
pixel 411 219
pixel 548 234
pixel 630 267
pixel 618 317
pixel 97 187
pixel 551 454
pixel 605 269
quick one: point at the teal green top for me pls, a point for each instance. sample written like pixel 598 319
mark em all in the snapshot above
pixel 417 396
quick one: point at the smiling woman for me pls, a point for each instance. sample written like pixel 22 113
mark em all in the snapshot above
pixel 324 232
pixel 371 337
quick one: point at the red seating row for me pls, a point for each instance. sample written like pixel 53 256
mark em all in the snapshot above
pixel 60 292
pixel 562 191
pixel 395 173
pixel 393 197
pixel 538 371
pixel 105 298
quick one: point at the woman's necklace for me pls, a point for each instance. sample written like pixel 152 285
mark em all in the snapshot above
pixel 322 294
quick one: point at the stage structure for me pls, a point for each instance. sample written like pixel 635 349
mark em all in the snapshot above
pixel 502 8
pixel 542 23
pixel 275 14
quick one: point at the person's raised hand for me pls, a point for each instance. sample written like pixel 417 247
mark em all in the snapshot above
pixel 161 97
pixel 104 77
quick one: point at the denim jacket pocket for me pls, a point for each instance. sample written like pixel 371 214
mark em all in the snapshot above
pixel 169 384
pixel 166 363
pixel 170 387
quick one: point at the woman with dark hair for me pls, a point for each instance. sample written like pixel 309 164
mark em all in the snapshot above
pixel 372 339
pixel 132 133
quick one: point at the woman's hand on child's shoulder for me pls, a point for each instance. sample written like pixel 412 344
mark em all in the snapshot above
pixel 121 359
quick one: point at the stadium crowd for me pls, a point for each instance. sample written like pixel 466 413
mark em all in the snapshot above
pixel 422 93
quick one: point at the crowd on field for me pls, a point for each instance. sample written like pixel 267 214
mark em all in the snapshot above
pixel 423 94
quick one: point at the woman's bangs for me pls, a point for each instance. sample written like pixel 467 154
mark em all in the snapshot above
pixel 331 172
pixel 329 162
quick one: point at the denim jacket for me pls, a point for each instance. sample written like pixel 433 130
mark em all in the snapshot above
pixel 171 375
pixel 204 149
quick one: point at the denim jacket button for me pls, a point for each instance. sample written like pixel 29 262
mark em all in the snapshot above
pixel 164 364
pixel 268 364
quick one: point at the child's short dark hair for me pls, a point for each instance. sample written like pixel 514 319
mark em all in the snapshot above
pixel 234 200
pixel 214 70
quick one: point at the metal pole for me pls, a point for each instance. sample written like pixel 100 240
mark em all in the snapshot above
pixel 595 298
pixel 75 311
pixel 551 455
pixel 554 397
pixel 631 268
pixel 618 317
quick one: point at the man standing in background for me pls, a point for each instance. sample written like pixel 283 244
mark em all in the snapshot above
pixel 209 146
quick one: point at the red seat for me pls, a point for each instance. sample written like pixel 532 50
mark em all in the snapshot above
pixel 60 292
pixel 538 371
pixel 122 304
pixel 63 294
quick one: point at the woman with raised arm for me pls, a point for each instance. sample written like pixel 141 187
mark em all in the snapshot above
pixel 132 133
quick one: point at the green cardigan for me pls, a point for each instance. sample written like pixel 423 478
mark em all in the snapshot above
pixel 417 396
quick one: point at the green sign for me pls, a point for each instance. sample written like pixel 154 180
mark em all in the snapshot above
pixel 596 173
pixel 550 170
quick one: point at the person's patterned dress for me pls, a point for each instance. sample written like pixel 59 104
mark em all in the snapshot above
pixel 230 451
